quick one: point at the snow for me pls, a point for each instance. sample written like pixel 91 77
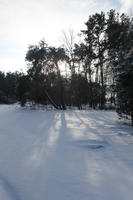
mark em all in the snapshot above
pixel 64 155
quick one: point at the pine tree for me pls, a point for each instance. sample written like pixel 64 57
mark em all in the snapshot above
pixel 120 44
pixel 95 38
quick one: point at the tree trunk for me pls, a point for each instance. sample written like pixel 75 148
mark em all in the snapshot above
pixel 51 101
pixel 61 88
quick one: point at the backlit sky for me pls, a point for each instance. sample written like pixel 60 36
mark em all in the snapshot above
pixel 24 22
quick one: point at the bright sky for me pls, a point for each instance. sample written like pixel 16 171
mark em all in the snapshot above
pixel 24 22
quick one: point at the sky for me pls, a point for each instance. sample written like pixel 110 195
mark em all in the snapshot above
pixel 25 22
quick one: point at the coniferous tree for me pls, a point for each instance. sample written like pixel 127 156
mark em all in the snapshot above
pixel 120 40
pixel 95 37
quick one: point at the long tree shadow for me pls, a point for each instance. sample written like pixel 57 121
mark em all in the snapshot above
pixel 44 140
pixel 63 129
pixel 92 134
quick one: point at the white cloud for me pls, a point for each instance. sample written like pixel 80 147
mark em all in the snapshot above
pixel 127 6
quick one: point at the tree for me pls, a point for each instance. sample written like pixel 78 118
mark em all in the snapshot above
pixel 69 43
pixel 43 61
pixel 125 87
pixel 23 89
pixel 79 90
pixel 57 55
pixel 120 40
pixel 95 39
pixel 39 62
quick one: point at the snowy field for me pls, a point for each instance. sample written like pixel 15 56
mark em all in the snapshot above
pixel 64 155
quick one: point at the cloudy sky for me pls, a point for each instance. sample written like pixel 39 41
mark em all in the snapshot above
pixel 24 22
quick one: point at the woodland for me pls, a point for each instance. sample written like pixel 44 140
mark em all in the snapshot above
pixel 96 71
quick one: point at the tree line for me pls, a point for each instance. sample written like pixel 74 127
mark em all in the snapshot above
pixel 97 71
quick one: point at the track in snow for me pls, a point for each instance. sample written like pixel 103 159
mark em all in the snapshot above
pixel 65 155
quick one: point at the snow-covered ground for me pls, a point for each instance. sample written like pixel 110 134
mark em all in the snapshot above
pixel 64 155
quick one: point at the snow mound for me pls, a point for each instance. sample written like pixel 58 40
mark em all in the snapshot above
pixel 95 146
pixel 92 144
